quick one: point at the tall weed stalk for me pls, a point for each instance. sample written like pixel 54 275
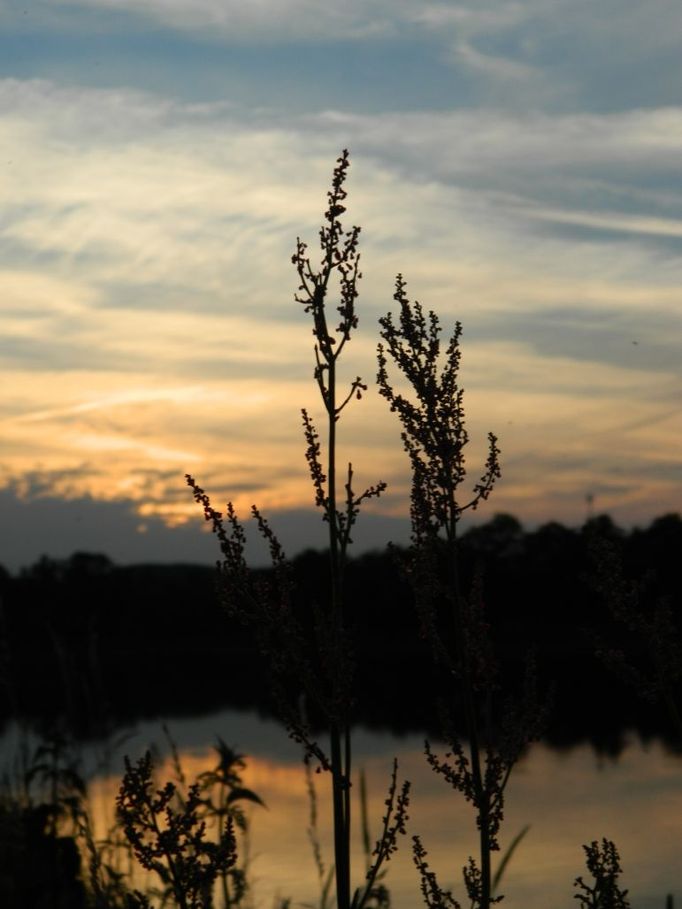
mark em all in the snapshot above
pixel 453 620
pixel 321 661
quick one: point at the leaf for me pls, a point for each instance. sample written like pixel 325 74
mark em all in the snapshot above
pixel 243 793
pixel 506 858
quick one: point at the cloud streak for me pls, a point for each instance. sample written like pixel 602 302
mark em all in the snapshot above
pixel 174 262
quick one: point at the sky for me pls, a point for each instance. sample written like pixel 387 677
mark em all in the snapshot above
pixel 517 162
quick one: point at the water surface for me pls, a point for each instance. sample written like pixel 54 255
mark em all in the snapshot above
pixel 568 798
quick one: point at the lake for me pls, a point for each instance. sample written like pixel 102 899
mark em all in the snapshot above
pixel 567 797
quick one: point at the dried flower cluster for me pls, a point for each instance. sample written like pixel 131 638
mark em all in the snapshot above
pixel 434 433
pixel 170 838
pixel 603 863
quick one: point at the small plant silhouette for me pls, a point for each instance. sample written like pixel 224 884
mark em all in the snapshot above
pixel 168 837
pixel 603 863
pixel 222 794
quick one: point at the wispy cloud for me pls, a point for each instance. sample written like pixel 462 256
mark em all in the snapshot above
pixel 148 320
pixel 633 224
pixel 291 19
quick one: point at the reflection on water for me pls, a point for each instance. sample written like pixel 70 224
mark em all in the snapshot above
pixel 568 798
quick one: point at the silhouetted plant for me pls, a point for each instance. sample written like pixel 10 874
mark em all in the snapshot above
pixel 40 861
pixel 323 665
pixel 434 436
pixel 222 792
pixel 340 255
pixel 603 863
pixel 56 770
pixel 109 882
pixel 393 823
pixel 378 894
pixel 325 877
pixel 171 841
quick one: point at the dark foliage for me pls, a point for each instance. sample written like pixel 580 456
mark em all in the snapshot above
pixel 82 625
pixel 603 863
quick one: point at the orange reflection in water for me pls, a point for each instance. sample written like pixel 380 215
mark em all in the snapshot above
pixel 567 798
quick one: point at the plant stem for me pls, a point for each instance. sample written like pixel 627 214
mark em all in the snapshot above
pixel 470 713
pixel 340 733
pixel 221 826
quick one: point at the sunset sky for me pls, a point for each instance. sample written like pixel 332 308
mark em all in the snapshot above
pixel 518 162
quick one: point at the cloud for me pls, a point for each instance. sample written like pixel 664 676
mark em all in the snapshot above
pixel 612 336
pixel 295 20
pixel 495 67
pixel 35 520
pixel 263 19
pixel 565 55
pixel 191 199
pixel 377 55
pixel 550 54
pixel 147 306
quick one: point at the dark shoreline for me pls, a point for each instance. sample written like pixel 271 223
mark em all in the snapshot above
pixel 104 645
